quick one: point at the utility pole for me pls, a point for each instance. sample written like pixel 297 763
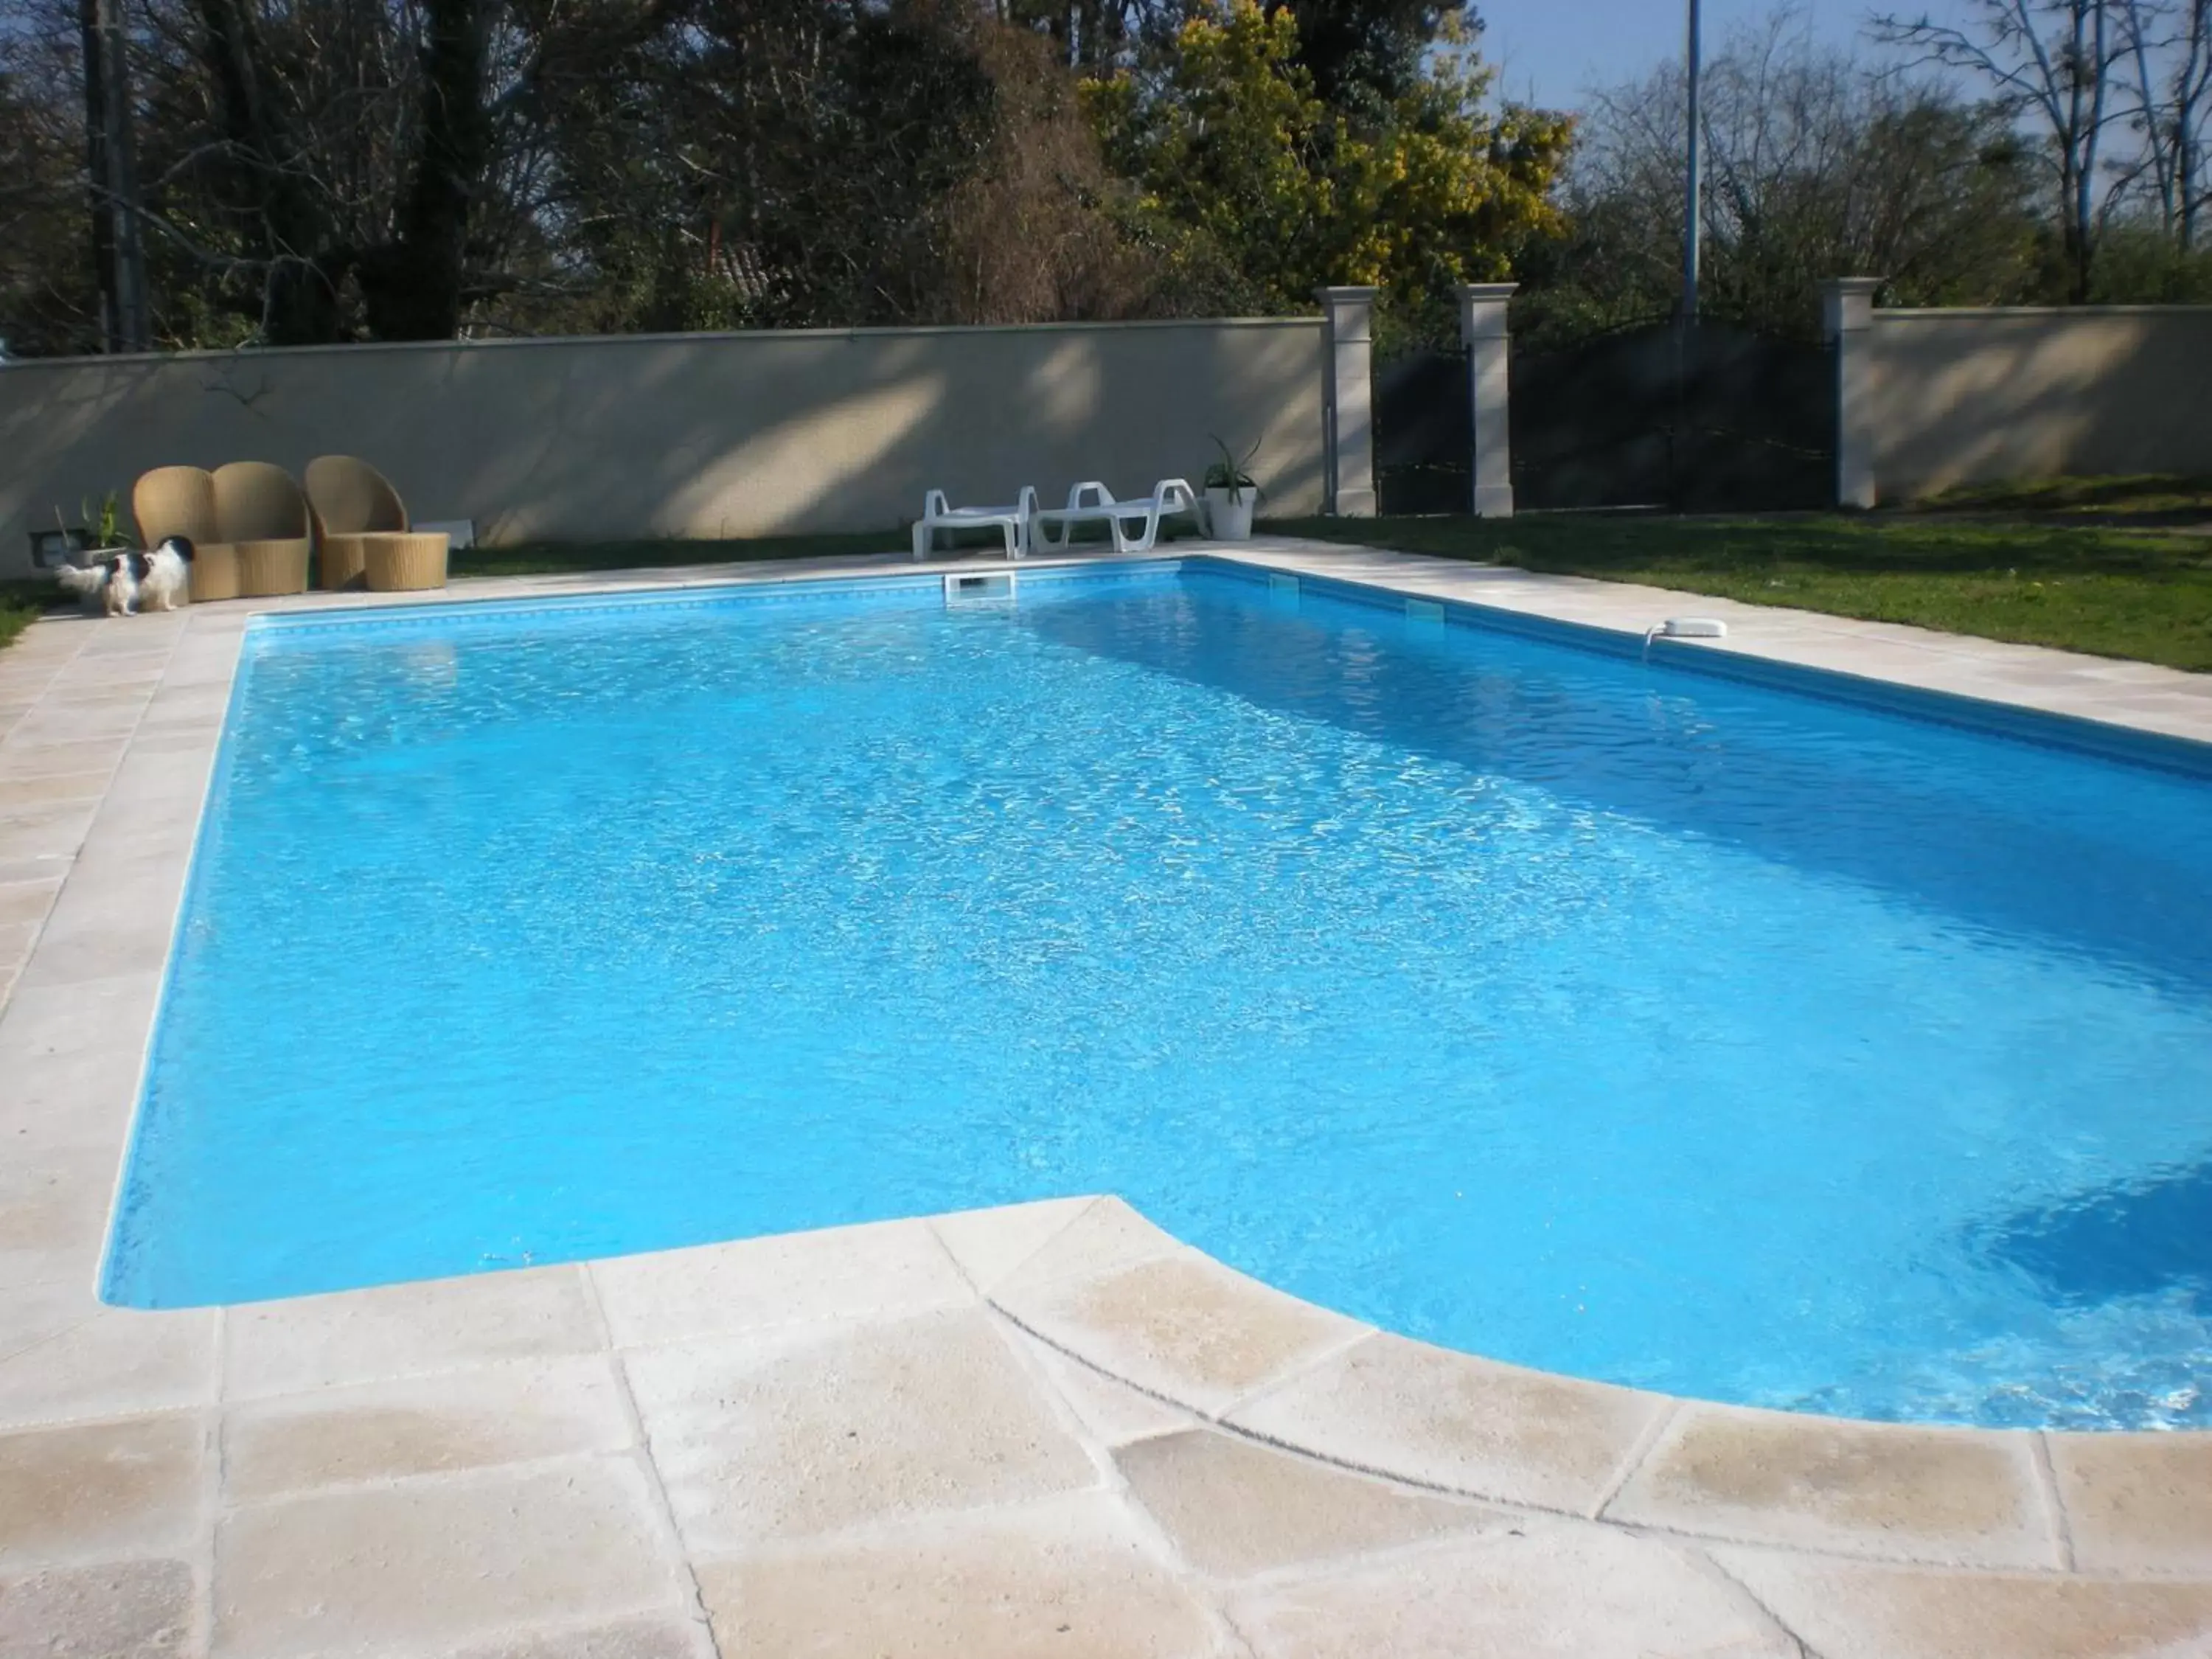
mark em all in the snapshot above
pixel 1690 189
pixel 118 250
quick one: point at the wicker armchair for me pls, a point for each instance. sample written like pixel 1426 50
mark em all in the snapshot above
pixel 180 500
pixel 360 525
pixel 263 513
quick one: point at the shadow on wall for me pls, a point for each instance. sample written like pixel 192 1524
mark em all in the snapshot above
pixel 707 436
pixel 1986 396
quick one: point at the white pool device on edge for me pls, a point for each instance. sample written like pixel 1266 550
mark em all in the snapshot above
pixel 1684 628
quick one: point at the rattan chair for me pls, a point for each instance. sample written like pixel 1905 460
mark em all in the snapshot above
pixel 362 527
pixel 180 500
pixel 350 500
pixel 263 513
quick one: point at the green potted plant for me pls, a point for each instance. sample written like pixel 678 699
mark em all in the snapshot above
pixel 99 536
pixel 109 537
pixel 1231 494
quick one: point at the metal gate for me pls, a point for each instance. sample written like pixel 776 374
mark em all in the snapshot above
pixel 1711 418
pixel 1424 433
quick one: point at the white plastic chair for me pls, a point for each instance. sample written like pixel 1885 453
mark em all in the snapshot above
pixel 1012 522
pixel 1091 502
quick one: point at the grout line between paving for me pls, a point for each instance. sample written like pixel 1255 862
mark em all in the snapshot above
pixel 1703 1559
pixel 1007 1277
pixel 214 1482
pixel 1305 1365
pixel 672 1539
pixel 2054 1501
pixel 1639 1453
pixel 1112 1483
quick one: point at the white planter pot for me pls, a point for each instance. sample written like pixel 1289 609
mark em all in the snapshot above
pixel 1227 520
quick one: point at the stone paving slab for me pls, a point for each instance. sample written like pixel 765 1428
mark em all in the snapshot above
pixel 1049 1429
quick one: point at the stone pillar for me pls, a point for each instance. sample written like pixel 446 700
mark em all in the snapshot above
pixel 1347 401
pixel 1847 312
pixel 1483 333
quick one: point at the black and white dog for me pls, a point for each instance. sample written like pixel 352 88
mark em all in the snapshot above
pixel 120 581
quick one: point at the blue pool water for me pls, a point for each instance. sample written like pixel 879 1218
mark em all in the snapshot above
pixel 1612 1018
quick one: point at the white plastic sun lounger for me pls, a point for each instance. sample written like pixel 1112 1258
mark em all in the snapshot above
pixel 1092 503
pixel 1012 522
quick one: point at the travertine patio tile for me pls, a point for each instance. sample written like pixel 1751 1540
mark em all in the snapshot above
pixel 42 867
pixel 1234 1507
pixel 71 1357
pixel 177 705
pixel 438 1563
pixel 86 688
pixel 191 740
pixel 1863 1610
pixel 1864 1488
pixel 27 902
pixel 990 1244
pixel 475 1419
pixel 117 1610
pixel 29 757
pixel 407 1330
pixel 65 1080
pixel 893 1268
pixel 15 940
pixel 155 798
pixel 1559 1591
pixel 1181 1325
pixel 53 1212
pixel 96 1489
pixel 1112 1413
pixel 816 1430
pixel 1107 1234
pixel 110 932
pixel 43 832
pixel 1073 1580
pixel 664 1637
pixel 2136 1502
pixel 52 722
pixel 1450 1419
pixel 51 787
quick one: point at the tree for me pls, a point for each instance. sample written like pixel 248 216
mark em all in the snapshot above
pixel 1815 166
pixel 1244 166
pixel 1364 55
pixel 2053 63
pixel 2168 44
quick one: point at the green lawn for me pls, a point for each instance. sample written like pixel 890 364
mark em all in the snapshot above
pixel 2138 498
pixel 21 601
pixel 2099 588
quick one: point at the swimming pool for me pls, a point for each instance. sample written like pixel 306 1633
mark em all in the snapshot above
pixel 1488 984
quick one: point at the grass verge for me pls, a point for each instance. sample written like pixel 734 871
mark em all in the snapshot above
pixel 2137 498
pixel 22 599
pixel 2108 591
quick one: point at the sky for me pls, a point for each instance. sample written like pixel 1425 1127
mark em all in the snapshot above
pixel 1550 52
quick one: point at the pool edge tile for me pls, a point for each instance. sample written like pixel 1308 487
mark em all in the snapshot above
pixel 2137 1504
pixel 1439 1417
pixel 1949 1497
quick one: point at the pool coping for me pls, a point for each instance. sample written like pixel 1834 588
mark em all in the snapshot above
pixel 1085 1293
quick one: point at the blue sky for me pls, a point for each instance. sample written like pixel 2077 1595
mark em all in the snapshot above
pixel 1555 49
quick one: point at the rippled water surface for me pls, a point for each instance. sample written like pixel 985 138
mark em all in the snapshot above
pixel 1602 1017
